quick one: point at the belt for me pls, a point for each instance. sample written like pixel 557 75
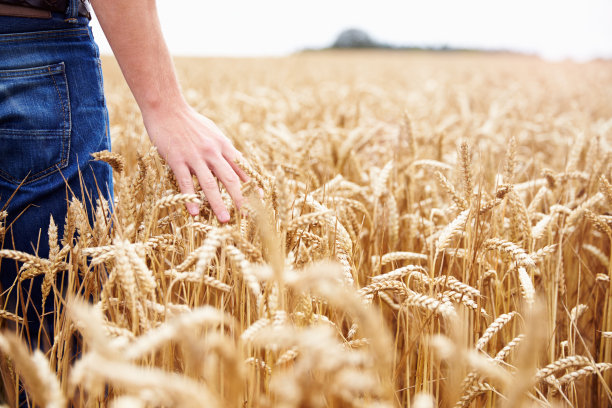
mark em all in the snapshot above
pixel 13 10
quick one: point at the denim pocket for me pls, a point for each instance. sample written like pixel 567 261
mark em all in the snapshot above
pixel 35 122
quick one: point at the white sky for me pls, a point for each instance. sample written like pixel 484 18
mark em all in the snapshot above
pixel 579 29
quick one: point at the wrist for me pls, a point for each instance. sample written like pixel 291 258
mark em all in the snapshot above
pixel 163 104
pixel 163 100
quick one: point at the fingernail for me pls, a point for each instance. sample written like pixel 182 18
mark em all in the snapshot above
pixel 224 216
pixel 193 209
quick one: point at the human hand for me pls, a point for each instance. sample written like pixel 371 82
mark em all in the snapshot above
pixel 192 144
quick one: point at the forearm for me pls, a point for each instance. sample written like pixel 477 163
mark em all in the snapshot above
pixel 134 33
pixel 190 143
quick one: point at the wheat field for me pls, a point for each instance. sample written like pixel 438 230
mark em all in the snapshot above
pixel 422 230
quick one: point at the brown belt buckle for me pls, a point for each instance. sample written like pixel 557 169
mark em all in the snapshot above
pixel 19 11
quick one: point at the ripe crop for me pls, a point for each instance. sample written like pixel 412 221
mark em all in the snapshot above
pixel 434 230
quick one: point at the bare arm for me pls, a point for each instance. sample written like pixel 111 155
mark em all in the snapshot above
pixel 188 141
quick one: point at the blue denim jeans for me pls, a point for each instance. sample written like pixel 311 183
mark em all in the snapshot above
pixel 52 117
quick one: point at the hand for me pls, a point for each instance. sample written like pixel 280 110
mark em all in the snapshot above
pixel 192 144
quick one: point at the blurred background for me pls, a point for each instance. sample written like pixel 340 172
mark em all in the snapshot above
pixel 555 30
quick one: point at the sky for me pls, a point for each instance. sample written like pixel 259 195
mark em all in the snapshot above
pixel 579 29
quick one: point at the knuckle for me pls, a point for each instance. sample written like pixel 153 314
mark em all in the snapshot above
pixel 231 179
pixel 206 149
pixel 184 181
pixel 210 149
pixel 209 184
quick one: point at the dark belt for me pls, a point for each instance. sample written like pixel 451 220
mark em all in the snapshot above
pixel 9 8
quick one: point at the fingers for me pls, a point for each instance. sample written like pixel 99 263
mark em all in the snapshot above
pixel 211 190
pixel 185 183
pixel 209 155
pixel 230 179
pixel 208 183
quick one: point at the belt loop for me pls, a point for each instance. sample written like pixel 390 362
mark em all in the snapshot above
pixel 72 11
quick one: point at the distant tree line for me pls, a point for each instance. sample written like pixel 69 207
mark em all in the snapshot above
pixel 354 38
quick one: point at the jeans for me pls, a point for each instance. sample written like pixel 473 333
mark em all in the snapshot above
pixel 53 116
